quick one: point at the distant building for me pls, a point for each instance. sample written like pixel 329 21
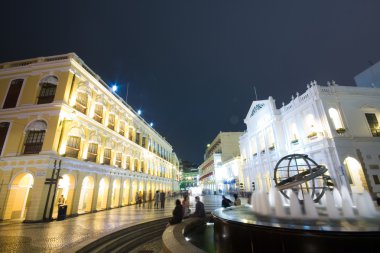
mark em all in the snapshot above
pixel 64 132
pixel 369 77
pixel 189 175
pixel 337 126
pixel 214 176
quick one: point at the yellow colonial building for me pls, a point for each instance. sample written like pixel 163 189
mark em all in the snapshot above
pixel 64 132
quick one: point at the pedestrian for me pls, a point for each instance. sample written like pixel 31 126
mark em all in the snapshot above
pixel 162 199
pixel 61 201
pixel 150 199
pixel 143 198
pixel 199 209
pixel 186 206
pixel 237 201
pixel 177 213
pixel 226 202
pixel 156 198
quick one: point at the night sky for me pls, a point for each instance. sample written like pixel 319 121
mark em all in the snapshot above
pixel 191 65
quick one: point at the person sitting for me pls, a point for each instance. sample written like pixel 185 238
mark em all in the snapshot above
pixel 237 201
pixel 186 206
pixel 226 202
pixel 177 213
pixel 199 209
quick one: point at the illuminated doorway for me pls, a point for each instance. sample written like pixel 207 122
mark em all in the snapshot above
pixel 102 194
pixel 115 193
pixel 18 199
pixel 354 174
pixel 85 199
pixel 66 189
pixel 134 190
pixel 126 186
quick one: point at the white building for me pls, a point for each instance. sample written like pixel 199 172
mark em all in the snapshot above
pixel 218 172
pixel 337 126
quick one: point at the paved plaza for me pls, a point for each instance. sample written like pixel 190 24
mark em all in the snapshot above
pixel 73 233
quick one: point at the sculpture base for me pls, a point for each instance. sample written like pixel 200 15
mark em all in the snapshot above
pixel 234 231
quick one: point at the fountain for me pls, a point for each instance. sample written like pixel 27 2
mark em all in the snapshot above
pixel 304 213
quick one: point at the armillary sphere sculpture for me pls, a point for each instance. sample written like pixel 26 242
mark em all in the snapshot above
pixel 301 174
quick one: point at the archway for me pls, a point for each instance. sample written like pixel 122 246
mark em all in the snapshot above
pixel 85 200
pixel 66 187
pixel 141 190
pixel 134 190
pixel 115 193
pixel 18 198
pixel 354 174
pixel 102 194
pixel 126 190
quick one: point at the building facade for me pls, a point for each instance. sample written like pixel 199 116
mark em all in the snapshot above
pixel 337 126
pixel 213 175
pixel 369 77
pixel 64 133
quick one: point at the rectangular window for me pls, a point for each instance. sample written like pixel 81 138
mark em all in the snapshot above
pixel 118 160
pixel 13 94
pixel 130 136
pixel 73 146
pixel 4 126
pixel 373 124
pixel 376 179
pixel 374 166
pixel 138 138
pixel 47 93
pixel 143 141
pixel 107 156
pixel 136 165
pixel 128 163
pixel 121 129
pixel 98 113
pixel 34 142
pixel 111 121
pixel 92 152
pixel 81 102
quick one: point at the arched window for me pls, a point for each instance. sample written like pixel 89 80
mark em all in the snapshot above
pixel 47 90
pixel 334 115
pixel 35 135
pixel 13 93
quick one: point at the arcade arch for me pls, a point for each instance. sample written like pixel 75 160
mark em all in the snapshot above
pixel 102 194
pixel 85 199
pixel 18 198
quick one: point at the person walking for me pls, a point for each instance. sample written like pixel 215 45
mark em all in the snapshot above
pixel 186 206
pixel 162 199
pixel 156 198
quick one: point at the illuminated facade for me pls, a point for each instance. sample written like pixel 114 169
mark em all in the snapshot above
pixel 337 126
pixel 213 173
pixel 64 132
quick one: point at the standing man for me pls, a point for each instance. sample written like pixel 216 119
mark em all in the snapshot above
pixel 162 198
pixel 150 199
pixel 156 199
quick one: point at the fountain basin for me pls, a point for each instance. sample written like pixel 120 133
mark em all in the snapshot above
pixel 238 229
